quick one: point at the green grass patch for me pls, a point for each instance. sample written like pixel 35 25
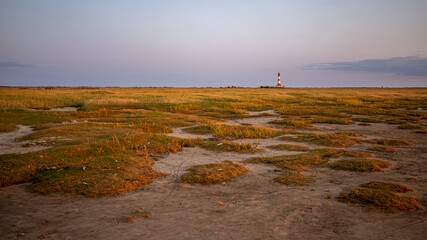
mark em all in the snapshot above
pixel 289 147
pixel 214 173
pixel 381 196
pixel 360 165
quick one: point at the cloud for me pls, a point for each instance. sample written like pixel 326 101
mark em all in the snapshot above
pixel 15 65
pixel 406 66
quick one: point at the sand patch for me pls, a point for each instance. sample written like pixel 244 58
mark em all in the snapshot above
pixel 8 143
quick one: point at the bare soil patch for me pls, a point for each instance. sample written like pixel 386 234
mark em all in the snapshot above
pixel 9 143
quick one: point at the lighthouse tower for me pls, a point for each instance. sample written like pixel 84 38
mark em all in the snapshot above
pixel 278 81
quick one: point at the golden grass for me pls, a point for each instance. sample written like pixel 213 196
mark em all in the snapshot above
pixel 381 196
pixel 214 173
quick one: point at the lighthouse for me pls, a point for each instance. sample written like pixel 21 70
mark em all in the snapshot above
pixel 278 80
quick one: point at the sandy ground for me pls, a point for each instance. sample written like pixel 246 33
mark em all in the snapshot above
pixel 8 143
pixel 249 207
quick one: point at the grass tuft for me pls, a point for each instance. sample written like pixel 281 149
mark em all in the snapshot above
pixel 340 139
pixel 383 149
pixel 389 142
pixel 7 128
pixel 381 196
pixel 392 187
pixel 360 165
pixel 289 147
pixel 412 126
pixel 201 130
pixel 294 178
pixel 224 146
pixel 214 173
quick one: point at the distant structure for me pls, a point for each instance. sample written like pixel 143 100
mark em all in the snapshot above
pixel 278 81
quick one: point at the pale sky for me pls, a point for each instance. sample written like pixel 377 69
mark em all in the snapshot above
pixel 201 43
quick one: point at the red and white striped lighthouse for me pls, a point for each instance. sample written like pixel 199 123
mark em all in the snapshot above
pixel 278 81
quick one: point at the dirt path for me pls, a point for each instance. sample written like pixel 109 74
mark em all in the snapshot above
pixel 249 207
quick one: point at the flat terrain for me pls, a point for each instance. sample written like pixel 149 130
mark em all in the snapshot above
pixel 271 163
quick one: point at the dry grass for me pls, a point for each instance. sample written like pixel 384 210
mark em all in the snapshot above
pixel 389 142
pixel 381 196
pixel 214 173
pixel 360 165
pixel 383 149
pixel 294 178
pixel 289 147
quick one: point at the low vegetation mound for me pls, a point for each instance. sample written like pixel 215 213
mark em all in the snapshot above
pixel 104 167
pixel 214 173
pixel 294 178
pixel 7 128
pixel 237 132
pixel 360 165
pixel 289 147
pixel 314 157
pixel 381 196
pixel 392 187
pixel 307 122
pixel 413 126
pixel 224 146
pixel 340 139
pixel 389 142
pixel 383 149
